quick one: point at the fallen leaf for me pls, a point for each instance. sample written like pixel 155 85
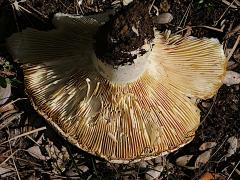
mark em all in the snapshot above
pixel 233 142
pixel 203 159
pixel 183 160
pixel 231 78
pixel 207 145
pixel 5 171
pixel 36 152
pixel 59 157
pixel 212 176
pixel 164 6
pixel 6 107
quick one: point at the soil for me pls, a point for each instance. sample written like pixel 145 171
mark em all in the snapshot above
pixel 128 30
pixel 220 116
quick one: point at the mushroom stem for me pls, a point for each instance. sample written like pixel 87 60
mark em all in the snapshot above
pixel 123 44
pixel 127 73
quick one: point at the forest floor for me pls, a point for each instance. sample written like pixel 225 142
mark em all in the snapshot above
pixel 31 149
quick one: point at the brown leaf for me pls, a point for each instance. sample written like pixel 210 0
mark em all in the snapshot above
pixel 212 176
pixel 203 158
pixel 36 152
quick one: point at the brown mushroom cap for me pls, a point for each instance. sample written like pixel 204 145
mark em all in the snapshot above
pixel 119 122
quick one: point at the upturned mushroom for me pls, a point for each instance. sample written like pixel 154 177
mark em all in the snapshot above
pixel 115 87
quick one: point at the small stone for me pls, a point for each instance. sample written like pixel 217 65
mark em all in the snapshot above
pixel 207 145
pixel 143 164
pixel 231 78
pixel 206 104
pixel 163 18
pixel 154 173
pixel 83 168
pixel 233 141
pixel 183 160
pixel 126 2
pixel 159 160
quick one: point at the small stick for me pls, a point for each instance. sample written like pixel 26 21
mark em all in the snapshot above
pixel 233 170
pixel 25 134
pixel 234 48
pixel 223 14
pixel 229 4
pixel 214 101
pixel 14 163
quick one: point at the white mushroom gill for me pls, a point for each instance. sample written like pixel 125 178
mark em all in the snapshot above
pixel 122 114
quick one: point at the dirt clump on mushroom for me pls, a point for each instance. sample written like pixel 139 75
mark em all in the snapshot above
pixel 128 30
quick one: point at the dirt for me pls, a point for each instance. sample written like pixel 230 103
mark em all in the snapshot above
pixel 220 117
pixel 128 30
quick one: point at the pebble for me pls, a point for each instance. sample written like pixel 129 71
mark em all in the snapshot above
pixel 233 141
pixel 154 173
pixel 143 164
pixel 163 18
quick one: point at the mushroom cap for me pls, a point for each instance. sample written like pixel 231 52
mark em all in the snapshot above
pixel 122 123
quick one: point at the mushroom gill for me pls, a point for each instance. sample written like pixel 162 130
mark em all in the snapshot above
pixel 122 113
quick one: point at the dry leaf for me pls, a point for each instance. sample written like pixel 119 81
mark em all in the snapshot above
pixel 231 78
pixel 154 173
pixel 183 160
pixel 212 176
pixel 203 158
pixel 6 107
pixel 5 171
pixel 164 6
pixel 10 119
pixel 207 145
pixel 233 141
pixel 36 152
pixel 59 157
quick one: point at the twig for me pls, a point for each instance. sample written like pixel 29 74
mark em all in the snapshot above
pixel 229 4
pixel 5 105
pixel 184 18
pixel 212 156
pixel 234 48
pixel 210 109
pixel 223 14
pixel 201 26
pixel 233 170
pixel 15 166
pixel 150 7
pixel 9 119
pixel 25 134
pixel 8 114
pixel 9 157
pixel 235 30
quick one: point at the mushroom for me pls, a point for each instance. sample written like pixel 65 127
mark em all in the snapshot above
pixel 122 112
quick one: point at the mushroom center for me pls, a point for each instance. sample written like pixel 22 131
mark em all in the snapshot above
pixel 123 44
